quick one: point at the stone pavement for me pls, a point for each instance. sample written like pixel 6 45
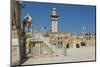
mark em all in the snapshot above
pixel 73 55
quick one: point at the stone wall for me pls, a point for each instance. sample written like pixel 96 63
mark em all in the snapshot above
pixel 71 41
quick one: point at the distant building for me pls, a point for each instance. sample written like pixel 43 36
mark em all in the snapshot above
pixel 59 38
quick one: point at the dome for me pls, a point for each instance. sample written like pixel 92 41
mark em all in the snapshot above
pixel 28 18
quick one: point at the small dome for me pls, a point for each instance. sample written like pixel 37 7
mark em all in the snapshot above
pixel 28 18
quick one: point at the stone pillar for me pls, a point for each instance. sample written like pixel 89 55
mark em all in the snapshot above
pixel 30 47
pixel 33 49
pixel 64 49
pixel 30 28
pixel 24 47
pixel 41 48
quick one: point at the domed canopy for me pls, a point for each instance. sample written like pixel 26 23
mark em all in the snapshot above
pixel 28 18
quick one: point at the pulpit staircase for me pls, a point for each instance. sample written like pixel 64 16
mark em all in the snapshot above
pixel 55 50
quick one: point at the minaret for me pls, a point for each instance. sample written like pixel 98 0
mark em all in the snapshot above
pixel 54 18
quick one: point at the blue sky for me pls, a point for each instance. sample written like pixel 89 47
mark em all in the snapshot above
pixel 71 17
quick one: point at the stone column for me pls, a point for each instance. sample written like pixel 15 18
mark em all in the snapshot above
pixel 33 49
pixel 41 48
pixel 64 49
pixel 30 47
pixel 24 46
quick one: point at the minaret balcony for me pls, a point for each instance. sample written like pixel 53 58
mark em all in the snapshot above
pixel 54 19
pixel 54 16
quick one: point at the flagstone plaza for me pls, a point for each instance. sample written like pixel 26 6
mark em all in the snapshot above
pixel 73 55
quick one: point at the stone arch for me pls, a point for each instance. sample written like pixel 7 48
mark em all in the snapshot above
pixel 67 46
pixel 77 45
